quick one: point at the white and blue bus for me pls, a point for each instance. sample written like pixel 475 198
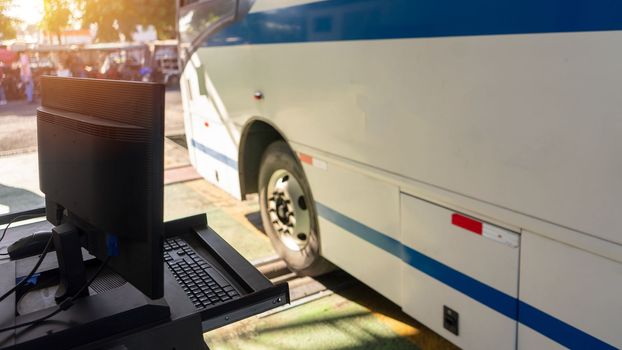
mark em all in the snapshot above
pixel 462 158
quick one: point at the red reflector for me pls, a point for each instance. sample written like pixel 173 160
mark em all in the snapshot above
pixel 467 223
pixel 305 158
pixel 206 124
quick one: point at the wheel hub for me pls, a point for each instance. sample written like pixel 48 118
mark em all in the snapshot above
pixel 282 211
pixel 288 211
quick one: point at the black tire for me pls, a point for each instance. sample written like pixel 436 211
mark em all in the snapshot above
pixel 305 260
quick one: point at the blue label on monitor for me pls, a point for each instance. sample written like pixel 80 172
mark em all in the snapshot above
pixel 32 280
pixel 112 244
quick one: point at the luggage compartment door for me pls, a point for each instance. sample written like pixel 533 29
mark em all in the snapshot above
pixel 460 275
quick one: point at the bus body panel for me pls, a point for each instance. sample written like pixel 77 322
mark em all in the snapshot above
pixel 212 137
pixel 462 109
pixel 529 339
pixel 341 194
pixel 465 269
pixel 521 131
pixel 578 291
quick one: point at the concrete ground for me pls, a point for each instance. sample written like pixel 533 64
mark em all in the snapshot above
pixel 350 317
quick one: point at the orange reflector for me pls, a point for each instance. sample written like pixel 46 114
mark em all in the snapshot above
pixel 305 158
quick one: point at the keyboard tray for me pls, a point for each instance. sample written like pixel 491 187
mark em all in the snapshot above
pixel 258 294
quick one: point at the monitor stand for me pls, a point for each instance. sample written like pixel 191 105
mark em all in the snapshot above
pixel 72 272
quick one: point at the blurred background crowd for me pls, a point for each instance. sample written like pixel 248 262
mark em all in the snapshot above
pixel 77 38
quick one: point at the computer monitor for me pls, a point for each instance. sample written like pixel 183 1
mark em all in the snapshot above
pixel 101 164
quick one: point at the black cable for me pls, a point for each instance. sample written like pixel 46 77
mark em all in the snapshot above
pixel 64 305
pixel 29 216
pixel 32 272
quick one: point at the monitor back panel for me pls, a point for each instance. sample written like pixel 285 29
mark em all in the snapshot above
pixel 101 157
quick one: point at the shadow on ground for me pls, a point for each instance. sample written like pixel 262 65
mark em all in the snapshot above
pixel 383 308
pixel 255 219
pixel 354 318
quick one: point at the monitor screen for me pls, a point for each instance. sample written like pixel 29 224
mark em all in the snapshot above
pixel 101 165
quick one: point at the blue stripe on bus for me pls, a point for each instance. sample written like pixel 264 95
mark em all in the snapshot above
pixel 335 20
pixel 541 322
pixel 380 240
pixel 485 294
pixel 215 154
pixel 558 330
pixel 489 296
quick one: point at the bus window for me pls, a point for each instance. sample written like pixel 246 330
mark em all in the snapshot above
pixel 201 76
pixel 199 18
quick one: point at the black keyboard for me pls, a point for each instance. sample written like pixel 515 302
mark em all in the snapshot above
pixel 203 284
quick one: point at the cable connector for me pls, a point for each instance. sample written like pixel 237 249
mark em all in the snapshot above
pixel 112 245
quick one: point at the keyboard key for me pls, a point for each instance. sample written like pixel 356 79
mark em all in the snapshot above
pixel 216 276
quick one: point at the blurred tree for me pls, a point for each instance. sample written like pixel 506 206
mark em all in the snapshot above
pixel 115 17
pixel 162 14
pixel 56 17
pixel 7 24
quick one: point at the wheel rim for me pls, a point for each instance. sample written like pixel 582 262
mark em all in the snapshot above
pixel 288 211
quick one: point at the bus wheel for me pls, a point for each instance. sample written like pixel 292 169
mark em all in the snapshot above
pixel 288 212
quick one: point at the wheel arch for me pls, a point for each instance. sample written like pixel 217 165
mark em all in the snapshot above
pixel 256 136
